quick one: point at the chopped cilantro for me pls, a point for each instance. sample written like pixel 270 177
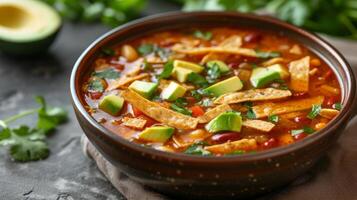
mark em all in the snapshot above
pixel 196 94
pixel 109 73
pixel 273 118
pixel 146 49
pixel 180 109
pixel 306 129
pixel 213 73
pixel 96 85
pixel 315 110
pixel 337 106
pixel 250 113
pixel 197 149
pixel 203 35
pixel 166 73
pixel 197 80
pixel 264 54
pixel 205 102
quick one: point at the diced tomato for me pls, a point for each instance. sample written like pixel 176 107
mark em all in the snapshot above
pixel 137 112
pixel 272 142
pixel 95 95
pixel 300 136
pixel 329 101
pixel 197 111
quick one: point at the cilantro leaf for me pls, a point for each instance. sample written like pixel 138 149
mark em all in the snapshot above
pixel 213 73
pixel 197 149
pixel 337 106
pixel 203 35
pixel 205 102
pixel 166 73
pixel 197 80
pixel 96 85
pixel 109 73
pixel 315 110
pixel 250 113
pixel 263 54
pixel 49 118
pixel 306 129
pixel 273 118
pixel 146 49
pixel 196 94
pixel 26 150
pixel 180 109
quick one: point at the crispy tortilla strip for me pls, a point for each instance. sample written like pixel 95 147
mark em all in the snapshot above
pixel 126 80
pixel 159 113
pixel 273 61
pixel 328 113
pixel 134 122
pixel 252 95
pixel 266 109
pixel 259 125
pixel 329 90
pixel 209 115
pixel 217 49
pixel 186 139
pixel 295 49
pixel 228 147
pixel 299 74
pixel 164 83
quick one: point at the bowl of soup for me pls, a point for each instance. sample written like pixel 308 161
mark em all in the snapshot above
pixel 212 104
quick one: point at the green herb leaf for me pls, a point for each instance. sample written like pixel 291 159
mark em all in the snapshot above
pixel 96 85
pixel 180 109
pixel 306 129
pixel 337 106
pixel 273 118
pixel 196 94
pixel 250 113
pixel 109 73
pixel 166 73
pixel 315 110
pixel 146 49
pixel 197 80
pixel 108 52
pixel 205 102
pixel 27 150
pixel 197 149
pixel 263 54
pixel 203 35
pixel 213 73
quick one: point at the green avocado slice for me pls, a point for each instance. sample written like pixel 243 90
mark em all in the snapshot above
pixel 27 27
pixel 263 76
pixel 157 134
pixel 181 73
pixel 145 89
pixel 228 121
pixel 188 65
pixel 111 104
pixel 173 91
pixel 226 86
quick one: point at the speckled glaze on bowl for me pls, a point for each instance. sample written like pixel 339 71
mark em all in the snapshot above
pixel 212 177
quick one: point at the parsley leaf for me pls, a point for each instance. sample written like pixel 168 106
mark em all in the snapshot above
pixel 196 94
pixel 250 113
pixel 315 110
pixel 263 54
pixel 197 80
pixel 197 149
pixel 306 129
pixel 180 109
pixel 166 73
pixel 109 73
pixel 337 106
pixel 273 118
pixel 213 73
pixel 203 35
pixel 26 150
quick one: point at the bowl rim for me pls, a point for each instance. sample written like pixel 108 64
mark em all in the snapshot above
pixel 348 98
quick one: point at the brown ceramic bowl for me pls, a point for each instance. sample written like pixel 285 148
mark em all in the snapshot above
pixel 201 177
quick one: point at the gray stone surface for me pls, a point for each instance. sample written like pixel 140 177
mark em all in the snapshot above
pixel 67 173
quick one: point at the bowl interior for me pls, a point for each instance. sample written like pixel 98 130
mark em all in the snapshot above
pixel 177 20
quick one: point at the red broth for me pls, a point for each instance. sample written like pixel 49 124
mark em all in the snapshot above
pixel 299 97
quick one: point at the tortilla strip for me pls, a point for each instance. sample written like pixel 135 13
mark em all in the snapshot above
pixel 252 95
pixel 233 41
pixel 266 109
pixel 259 125
pixel 228 147
pixel 299 74
pixel 209 115
pixel 164 83
pixel 217 49
pixel 272 61
pixel 328 113
pixel 159 113
pixel 134 122
pixel 126 80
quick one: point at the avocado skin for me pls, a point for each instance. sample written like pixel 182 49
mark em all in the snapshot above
pixel 28 48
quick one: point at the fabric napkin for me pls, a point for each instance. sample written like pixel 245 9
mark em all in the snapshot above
pixel 333 178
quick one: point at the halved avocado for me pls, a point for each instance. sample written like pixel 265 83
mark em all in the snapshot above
pixel 27 27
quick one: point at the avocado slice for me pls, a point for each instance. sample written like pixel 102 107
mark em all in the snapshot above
pixel 188 65
pixel 222 66
pixel 27 27
pixel 145 89
pixel 157 134
pixel 226 86
pixel 173 91
pixel 111 104
pixel 228 121
pixel 181 73
pixel 263 76
pixel 284 73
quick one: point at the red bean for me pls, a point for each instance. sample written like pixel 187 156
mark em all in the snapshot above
pixel 224 137
pixel 253 37
pixel 271 143
pixel 234 65
pixel 300 136
pixel 302 120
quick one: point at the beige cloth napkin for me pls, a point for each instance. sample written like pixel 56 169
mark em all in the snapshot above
pixel 333 178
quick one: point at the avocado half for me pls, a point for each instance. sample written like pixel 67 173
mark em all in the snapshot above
pixel 27 27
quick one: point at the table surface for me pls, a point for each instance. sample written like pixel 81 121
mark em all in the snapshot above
pixel 66 173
